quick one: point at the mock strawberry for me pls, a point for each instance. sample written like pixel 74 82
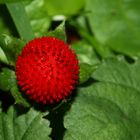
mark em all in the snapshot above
pixel 47 70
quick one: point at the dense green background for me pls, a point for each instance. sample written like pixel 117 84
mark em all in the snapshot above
pixel 105 35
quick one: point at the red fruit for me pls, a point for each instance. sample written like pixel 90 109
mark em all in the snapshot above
pixel 47 70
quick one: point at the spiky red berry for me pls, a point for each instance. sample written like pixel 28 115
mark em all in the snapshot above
pixel 47 70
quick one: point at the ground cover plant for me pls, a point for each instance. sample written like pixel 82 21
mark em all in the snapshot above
pixel 69 70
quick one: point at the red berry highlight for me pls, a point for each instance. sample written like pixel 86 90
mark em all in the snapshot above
pixel 47 70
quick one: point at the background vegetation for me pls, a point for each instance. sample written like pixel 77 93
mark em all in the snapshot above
pixel 105 34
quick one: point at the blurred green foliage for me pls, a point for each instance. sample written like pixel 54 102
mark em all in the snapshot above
pixel 105 36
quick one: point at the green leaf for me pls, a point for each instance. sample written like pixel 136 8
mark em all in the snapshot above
pixel 29 126
pixel 119 72
pixel 95 118
pixel 64 7
pixel 17 95
pixel 116 24
pixel 36 13
pixel 8 83
pixel 85 52
pixel 59 32
pixel 11 47
pixel 7 79
pixel 20 19
pixel 108 109
pixel 3 57
pixel 38 16
pixel 124 79
pixel 86 71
